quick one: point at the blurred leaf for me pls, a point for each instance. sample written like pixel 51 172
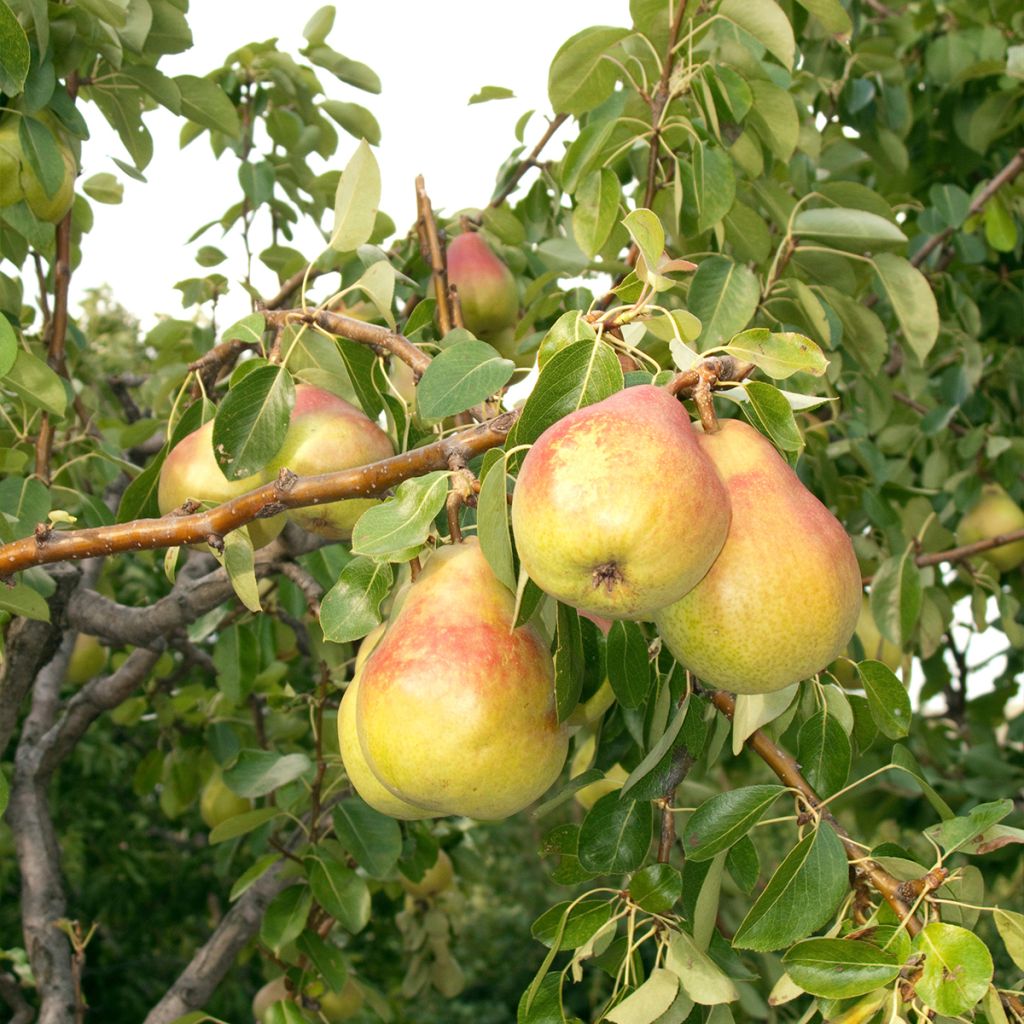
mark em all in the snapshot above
pixel 240 824
pixel 206 103
pixel 15 56
pixel 851 230
pixel 340 891
pixel 319 26
pixel 286 916
pixel 259 772
pixel 104 188
pixel 354 118
pixel 32 380
pixel 766 22
pixel 491 92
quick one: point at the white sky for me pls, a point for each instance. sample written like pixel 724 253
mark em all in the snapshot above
pixel 430 57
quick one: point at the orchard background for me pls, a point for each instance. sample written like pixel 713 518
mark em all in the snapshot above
pixel 845 180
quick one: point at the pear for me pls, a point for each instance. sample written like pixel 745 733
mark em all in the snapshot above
pixel 217 802
pixel 456 709
pixel 438 877
pixel 88 657
pixel 995 512
pixel 486 287
pixel 325 435
pixel 874 645
pixel 191 471
pixel 19 181
pixel 782 599
pixel 339 1006
pixel 617 511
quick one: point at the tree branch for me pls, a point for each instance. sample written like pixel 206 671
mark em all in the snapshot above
pixel 963 552
pixel 291 285
pixel 288 491
pixel 524 165
pixel 788 771
pixel 433 253
pixel 10 993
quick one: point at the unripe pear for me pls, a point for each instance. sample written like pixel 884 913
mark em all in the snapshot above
pixel 327 434
pixel 438 877
pixel 339 1006
pixel 191 471
pixel 613 780
pixel 876 648
pixel 782 599
pixel 616 510
pixel 87 659
pixel 486 287
pixel 993 514
pixel 18 180
pixel 456 709
pixel 217 803
pixel 273 992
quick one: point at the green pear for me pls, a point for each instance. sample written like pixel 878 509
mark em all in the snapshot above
pixel 217 803
pixel 875 646
pixel 613 780
pixel 273 992
pixel 994 513
pixel 438 877
pixel 782 599
pixel 339 1006
pixel 19 181
pixel 325 435
pixel 191 471
pixel 616 510
pixel 486 287
pixel 87 659
pixel 456 709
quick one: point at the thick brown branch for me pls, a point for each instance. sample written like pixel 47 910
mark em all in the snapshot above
pixel 788 771
pixel 433 253
pixel 530 161
pixel 287 491
pixel 1006 175
pixel 379 338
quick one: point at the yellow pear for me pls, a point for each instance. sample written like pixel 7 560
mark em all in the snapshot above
pixel 435 879
pixel 613 780
pixel 782 599
pixel 217 803
pixel 994 513
pixel 616 510
pixel 456 709
pixel 339 1006
pixel 87 659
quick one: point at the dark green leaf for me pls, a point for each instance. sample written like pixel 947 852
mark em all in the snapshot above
pixel 887 699
pixel 40 148
pixel 769 411
pixel 252 421
pixel 351 608
pixel 404 521
pixel 824 753
pixel 725 818
pixel 460 377
pixel 286 916
pixel 340 891
pixel 616 835
pixel 568 661
pixel 629 671
pixel 374 839
pixel 840 968
pixel 326 958
pixel 492 522
pixel 581 922
pixel 656 888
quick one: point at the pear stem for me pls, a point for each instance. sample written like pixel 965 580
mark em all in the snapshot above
pixel 705 403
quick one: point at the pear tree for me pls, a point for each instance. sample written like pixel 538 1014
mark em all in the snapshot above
pixel 599 602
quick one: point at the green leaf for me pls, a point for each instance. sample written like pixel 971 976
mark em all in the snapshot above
pixel 15 55
pixel 780 355
pixel 43 153
pixel 770 412
pixel 492 523
pixel 286 916
pixel 580 79
pixel 259 772
pixel 957 833
pixel 840 968
pixel 356 201
pixel 648 1001
pixel 615 835
pixel 252 421
pixel 802 894
pixel 888 700
pixel 912 301
pixel 206 103
pixel 656 888
pixel 32 380
pixel 579 375
pixel 5 792
pixel 346 70
pixel 766 22
pixel 581 923
pixel 249 329
pixel 374 839
pixel 704 981
pixel 568 661
pixel 1010 926
pixel 354 118
pixel 725 818
pixel 8 343
pixel 658 753
pixel 326 958
pixel 319 26
pixel 646 231
pixel 830 13
pixel 351 608
pixel 240 824
pixel 824 753
pixel 404 521
pixel 597 209
pixel 905 760
pixel 340 891
pixel 491 92
pixel 460 377
pixel 847 229
pixel 629 670
pixel 957 969
pixel 251 874
pixel 568 329
pixel 896 596
pixel 723 296
pixel 104 188
pixel 22 600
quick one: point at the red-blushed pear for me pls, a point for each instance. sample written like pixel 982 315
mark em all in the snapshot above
pixel 782 599
pixel 994 513
pixel 327 434
pixel 486 287
pixel 616 510
pixel 191 471
pixel 456 709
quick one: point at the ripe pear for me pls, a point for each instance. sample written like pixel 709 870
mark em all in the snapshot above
pixel 87 659
pixel 994 513
pixel 486 287
pixel 876 648
pixel 782 599
pixel 191 471
pixel 617 511
pixel 217 803
pixel 436 878
pixel 456 709
pixel 325 435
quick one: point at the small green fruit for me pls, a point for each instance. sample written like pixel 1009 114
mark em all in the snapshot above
pixel 436 879
pixel 87 659
pixel 993 514
pixel 217 803
pixel 339 1006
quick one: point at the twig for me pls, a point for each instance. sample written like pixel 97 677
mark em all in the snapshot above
pixel 1006 175
pixel 658 102
pixel 910 403
pixel 963 552
pixel 433 253
pixel 530 161
pixel 682 762
pixel 288 491
pixel 788 771
pixel 291 285
pixel 10 992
